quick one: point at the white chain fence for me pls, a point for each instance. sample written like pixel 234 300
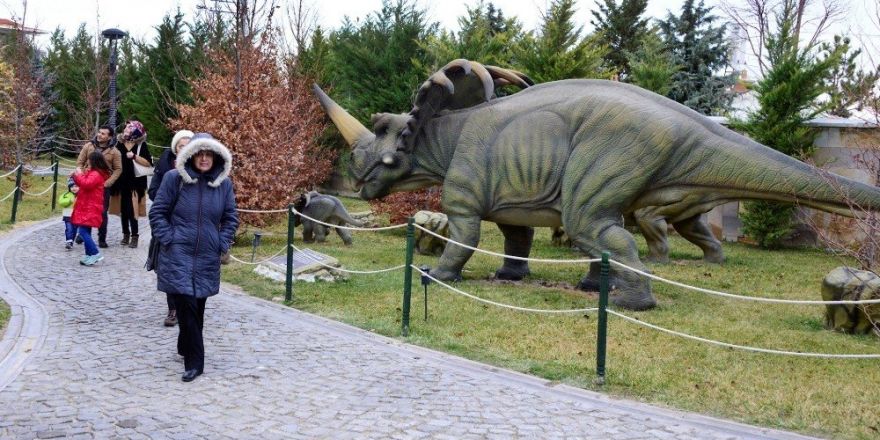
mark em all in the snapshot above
pixel 743 347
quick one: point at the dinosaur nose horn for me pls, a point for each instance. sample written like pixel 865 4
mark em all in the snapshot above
pixel 351 129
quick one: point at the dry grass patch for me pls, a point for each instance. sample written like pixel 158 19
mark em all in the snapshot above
pixel 832 398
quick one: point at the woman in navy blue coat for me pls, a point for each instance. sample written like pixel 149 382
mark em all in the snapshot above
pixel 194 218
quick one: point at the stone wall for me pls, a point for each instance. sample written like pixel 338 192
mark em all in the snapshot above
pixel 838 142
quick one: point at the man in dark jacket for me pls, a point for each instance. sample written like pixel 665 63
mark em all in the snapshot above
pixel 166 163
pixel 193 233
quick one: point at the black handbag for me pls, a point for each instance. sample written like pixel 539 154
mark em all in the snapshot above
pixel 153 250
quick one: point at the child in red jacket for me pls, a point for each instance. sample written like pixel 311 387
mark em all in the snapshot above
pixel 89 207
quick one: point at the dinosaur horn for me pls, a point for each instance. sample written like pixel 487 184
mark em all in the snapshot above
pixel 350 128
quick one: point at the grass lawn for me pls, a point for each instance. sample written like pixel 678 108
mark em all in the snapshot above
pixel 5 313
pixel 835 398
pixel 30 207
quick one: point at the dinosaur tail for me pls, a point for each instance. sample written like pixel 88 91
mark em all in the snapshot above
pixel 761 173
pixel 343 214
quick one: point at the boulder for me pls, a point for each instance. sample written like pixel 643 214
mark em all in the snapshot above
pixel 846 283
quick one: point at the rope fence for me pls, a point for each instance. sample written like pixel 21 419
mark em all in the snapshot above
pixel 51 185
pixel 741 297
pixel 498 304
pixel 362 272
pixel 743 347
pixel 7 196
pixel 603 310
pixel 11 172
pixel 496 254
pixel 255 263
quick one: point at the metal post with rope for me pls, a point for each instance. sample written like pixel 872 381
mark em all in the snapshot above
pixel 54 179
pixel 407 275
pixel 17 196
pixel 288 281
pixel 602 331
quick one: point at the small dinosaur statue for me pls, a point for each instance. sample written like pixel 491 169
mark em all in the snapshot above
pixel 324 208
pixel 578 153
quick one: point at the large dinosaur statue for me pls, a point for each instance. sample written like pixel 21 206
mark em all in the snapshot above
pixel 576 153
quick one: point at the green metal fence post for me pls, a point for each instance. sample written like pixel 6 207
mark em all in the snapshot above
pixel 601 335
pixel 407 275
pixel 17 194
pixel 288 283
pixel 54 179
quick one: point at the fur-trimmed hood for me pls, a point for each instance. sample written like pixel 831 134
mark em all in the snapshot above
pixel 180 135
pixel 222 160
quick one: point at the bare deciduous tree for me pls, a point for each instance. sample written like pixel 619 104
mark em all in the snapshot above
pixel 757 21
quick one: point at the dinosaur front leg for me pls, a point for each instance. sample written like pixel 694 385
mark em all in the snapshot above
pixel 308 231
pixel 517 242
pixel 696 231
pixel 464 230
pixel 633 291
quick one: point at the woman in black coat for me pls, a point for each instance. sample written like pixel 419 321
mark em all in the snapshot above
pixel 195 219
pixel 130 190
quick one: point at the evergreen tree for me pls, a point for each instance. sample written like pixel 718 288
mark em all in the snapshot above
pixel 78 69
pixel 159 78
pixel 313 58
pixel 484 36
pixel 787 96
pixel 848 85
pixel 558 51
pixel 703 52
pixel 652 66
pixel 623 28
pixel 374 65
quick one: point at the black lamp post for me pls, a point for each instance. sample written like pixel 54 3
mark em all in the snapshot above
pixel 113 35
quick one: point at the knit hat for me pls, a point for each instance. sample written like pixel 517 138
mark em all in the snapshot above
pixel 179 136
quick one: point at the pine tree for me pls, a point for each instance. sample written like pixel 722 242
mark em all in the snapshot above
pixel 787 96
pixel 848 85
pixel 652 66
pixel 160 78
pixel 484 36
pixel 703 52
pixel 558 51
pixel 623 28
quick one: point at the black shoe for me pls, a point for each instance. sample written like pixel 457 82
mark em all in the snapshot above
pixel 189 375
pixel 102 244
pixel 78 240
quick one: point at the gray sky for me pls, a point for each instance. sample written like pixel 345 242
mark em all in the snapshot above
pixel 139 16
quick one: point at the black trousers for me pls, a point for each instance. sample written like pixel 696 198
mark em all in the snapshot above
pixel 191 321
pixel 102 230
pixel 172 305
pixel 126 214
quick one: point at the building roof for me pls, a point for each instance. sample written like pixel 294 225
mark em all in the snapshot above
pixel 8 26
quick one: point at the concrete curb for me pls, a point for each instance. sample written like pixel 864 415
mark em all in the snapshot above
pixel 29 325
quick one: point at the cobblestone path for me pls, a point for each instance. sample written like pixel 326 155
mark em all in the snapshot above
pixel 86 357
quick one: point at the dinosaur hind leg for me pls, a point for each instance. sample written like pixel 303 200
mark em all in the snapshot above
pixel 633 291
pixel 517 242
pixel 696 231
pixel 653 228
